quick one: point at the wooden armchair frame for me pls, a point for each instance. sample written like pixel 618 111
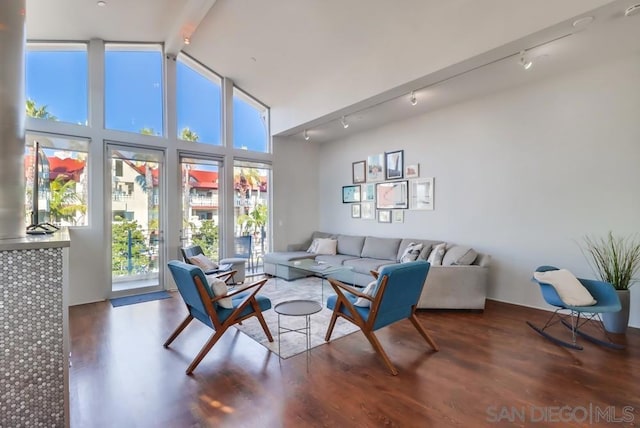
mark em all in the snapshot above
pixel 220 327
pixel 226 276
pixel 367 326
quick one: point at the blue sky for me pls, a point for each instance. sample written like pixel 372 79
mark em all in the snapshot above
pixel 134 93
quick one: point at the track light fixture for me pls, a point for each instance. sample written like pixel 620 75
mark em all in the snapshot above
pixel 524 61
pixel 413 98
pixel 187 40
pixel 344 122
pixel 305 135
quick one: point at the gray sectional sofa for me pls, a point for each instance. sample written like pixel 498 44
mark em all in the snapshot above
pixel 448 286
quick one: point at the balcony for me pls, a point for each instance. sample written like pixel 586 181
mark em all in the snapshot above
pixel 203 201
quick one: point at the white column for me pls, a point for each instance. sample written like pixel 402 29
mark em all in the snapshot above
pixel 12 118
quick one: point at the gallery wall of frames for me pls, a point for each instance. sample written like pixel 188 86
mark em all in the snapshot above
pixel 384 186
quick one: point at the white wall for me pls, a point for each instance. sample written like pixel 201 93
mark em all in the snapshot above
pixel 522 175
pixel 296 204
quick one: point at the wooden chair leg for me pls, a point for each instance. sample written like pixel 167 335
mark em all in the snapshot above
pixel 178 330
pixel 332 324
pixel 264 325
pixel 423 332
pixel 378 348
pixel 205 350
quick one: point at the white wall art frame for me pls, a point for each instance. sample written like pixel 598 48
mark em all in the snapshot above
pixel 421 193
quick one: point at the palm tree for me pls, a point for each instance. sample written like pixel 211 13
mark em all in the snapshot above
pixel 38 112
pixel 188 135
pixel 65 202
pixel 256 220
pixel 247 179
pixel 147 131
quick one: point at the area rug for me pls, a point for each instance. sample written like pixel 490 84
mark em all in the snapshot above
pixel 279 290
pixel 139 298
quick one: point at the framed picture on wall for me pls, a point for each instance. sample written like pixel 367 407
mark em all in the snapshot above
pixel 350 194
pixel 368 192
pixel 384 216
pixel 375 167
pixel 412 171
pixel 392 195
pixel 394 162
pixel 359 172
pixel 355 211
pixel 421 193
pixel 397 216
pixel 367 211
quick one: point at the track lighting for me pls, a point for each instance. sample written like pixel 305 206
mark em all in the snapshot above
pixel 524 61
pixel 344 122
pixel 413 98
pixel 187 40
pixel 305 135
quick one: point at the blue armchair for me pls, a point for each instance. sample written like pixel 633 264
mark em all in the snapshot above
pixel 396 295
pixel 578 316
pixel 202 305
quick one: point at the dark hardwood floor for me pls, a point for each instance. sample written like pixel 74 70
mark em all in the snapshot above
pixel 492 370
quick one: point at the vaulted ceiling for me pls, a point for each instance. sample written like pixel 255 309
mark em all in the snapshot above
pixel 313 61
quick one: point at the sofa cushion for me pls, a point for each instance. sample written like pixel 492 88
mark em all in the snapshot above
pixel 336 260
pixel 435 258
pixel 366 265
pixel 317 234
pixel 426 247
pixel 313 248
pixel 380 248
pixel 326 246
pixel 411 253
pixel 350 245
pixel 306 244
pixel 459 255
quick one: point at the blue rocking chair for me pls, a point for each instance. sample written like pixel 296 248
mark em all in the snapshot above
pixel 607 301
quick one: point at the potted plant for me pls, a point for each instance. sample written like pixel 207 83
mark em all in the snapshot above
pixel 615 260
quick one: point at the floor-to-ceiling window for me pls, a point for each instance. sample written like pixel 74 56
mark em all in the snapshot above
pixel 123 117
pixel 251 180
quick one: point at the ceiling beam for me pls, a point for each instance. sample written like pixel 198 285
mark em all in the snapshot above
pixel 186 23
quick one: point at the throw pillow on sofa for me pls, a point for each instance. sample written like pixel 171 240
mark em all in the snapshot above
pixel 369 290
pixel 435 258
pixel 313 248
pixel 459 255
pixel 411 253
pixel 327 246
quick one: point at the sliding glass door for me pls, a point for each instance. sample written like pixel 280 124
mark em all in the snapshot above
pixel 251 213
pixel 136 178
pixel 201 197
